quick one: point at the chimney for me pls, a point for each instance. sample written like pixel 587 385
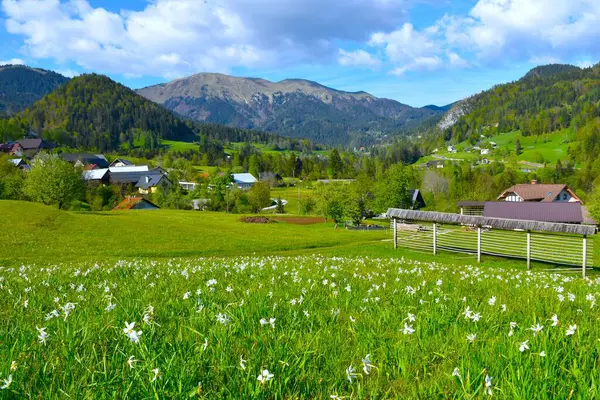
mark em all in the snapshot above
pixel 147 179
pixel 534 182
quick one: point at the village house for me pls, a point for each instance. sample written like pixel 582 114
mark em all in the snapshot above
pixel 244 181
pixel 537 192
pixel 150 183
pixel 136 203
pixel 30 147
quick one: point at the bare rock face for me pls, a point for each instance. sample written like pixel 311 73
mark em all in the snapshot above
pixel 459 109
pixel 292 107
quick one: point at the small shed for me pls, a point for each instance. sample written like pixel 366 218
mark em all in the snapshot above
pixel 136 203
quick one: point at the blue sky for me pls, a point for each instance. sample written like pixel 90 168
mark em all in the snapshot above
pixel 415 51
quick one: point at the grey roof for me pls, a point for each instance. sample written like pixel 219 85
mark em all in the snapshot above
pixel 569 213
pixel 27 144
pixel 95 174
pixel 86 158
pixel 126 176
pixel 244 178
pixel 147 181
pixel 496 223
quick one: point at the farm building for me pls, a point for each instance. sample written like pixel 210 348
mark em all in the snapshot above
pixel 416 198
pixel 537 192
pixel 244 181
pixel 84 159
pixel 548 242
pixel 136 203
pixel 272 178
pixel 558 212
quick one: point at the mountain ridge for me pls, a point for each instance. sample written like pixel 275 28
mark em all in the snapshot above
pixel 290 107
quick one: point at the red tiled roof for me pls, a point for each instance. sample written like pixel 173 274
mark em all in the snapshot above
pixel 537 191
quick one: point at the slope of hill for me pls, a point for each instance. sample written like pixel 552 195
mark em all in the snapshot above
pixel 92 111
pixel 293 107
pixel 546 99
pixel 21 86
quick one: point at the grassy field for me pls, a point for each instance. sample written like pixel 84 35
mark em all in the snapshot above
pixel 45 234
pixel 224 309
pixel 179 146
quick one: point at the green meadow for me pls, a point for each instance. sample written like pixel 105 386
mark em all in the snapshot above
pixel 169 304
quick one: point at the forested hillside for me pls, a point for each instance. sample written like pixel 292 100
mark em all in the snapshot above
pixel 21 86
pixel 92 111
pixel 547 99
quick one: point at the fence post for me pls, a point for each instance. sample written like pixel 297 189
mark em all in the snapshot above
pixel 528 250
pixel 478 244
pixel 395 232
pixel 584 266
pixel 434 239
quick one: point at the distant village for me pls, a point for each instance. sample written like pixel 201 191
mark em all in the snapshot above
pixel 142 179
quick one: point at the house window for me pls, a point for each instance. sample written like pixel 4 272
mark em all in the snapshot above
pixel 565 196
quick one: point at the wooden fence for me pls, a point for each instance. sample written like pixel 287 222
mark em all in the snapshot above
pixel 554 243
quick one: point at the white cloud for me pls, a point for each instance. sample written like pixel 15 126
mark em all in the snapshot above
pixel 69 73
pixel 357 58
pixel 419 64
pixel 585 64
pixel 176 37
pixel 13 61
pixel 529 29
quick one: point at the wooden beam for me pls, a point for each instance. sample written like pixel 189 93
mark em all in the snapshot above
pixel 584 266
pixel 528 250
pixel 479 244
pixel 434 239
pixel 395 233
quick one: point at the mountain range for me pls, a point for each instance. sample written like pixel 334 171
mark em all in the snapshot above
pixel 94 111
pixel 293 107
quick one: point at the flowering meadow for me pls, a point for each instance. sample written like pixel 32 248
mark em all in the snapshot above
pixel 296 327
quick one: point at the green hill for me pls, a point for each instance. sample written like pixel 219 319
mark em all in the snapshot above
pixel 21 86
pixel 92 111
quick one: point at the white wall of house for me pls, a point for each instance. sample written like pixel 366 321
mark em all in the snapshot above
pixel 513 197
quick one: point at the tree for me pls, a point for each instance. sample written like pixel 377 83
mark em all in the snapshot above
pixel 11 180
pixel 259 196
pixel 392 190
pixel 331 201
pixel 518 148
pixel 280 209
pixel 336 165
pixel 53 181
